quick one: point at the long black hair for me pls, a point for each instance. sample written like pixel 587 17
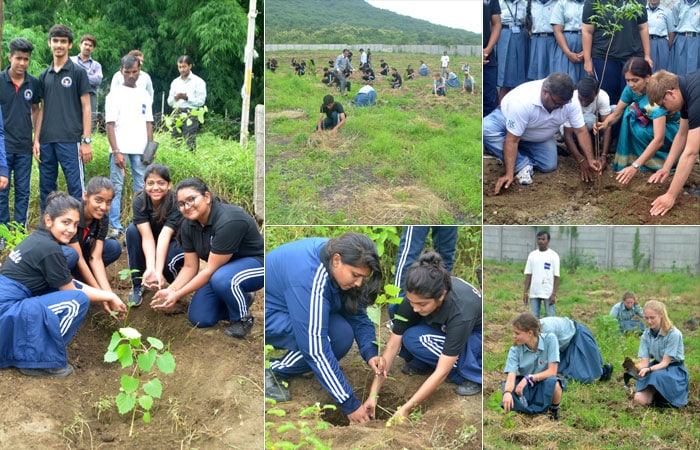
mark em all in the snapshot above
pixel 356 250
pixel 160 213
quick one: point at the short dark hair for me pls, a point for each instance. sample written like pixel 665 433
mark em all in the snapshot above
pixel 559 84
pixel 185 59
pixel 20 44
pixel 587 87
pixel 328 99
pixel 544 233
pixel 88 37
pixel 130 61
pixel 60 30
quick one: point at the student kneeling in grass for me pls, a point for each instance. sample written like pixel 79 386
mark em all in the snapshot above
pixel 532 385
pixel 335 115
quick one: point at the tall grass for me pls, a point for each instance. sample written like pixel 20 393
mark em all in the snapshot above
pixel 410 138
pixel 599 415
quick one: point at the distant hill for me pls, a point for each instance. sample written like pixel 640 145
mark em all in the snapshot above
pixel 353 21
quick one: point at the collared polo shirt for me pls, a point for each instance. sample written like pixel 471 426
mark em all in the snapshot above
pixel 63 112
pixel 17 111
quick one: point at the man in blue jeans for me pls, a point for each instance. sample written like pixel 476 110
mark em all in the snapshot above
pixel 521 132
pixel 64 123
pixel 20 94
pixel 542 277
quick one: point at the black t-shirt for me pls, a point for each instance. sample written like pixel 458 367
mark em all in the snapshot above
pixel 396 78
pixel 337 107
pixel 458 316
pixel 173 220
pixel 626 43
pixel 63 113
pixel 690 89
pixel 17 110
pixel 38 263
pixel 229 230
pixel 491 8
pixel 88 234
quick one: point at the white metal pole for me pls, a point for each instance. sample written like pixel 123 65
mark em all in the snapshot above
pixel 245 91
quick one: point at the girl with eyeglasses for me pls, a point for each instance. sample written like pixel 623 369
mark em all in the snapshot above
pixel 89 252
pixel 229 240
pixel 154 254
pixel 41 306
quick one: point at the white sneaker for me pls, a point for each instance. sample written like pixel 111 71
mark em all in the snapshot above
pixel 525 175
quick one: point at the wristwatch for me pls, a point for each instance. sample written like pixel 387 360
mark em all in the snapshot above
pixel 635 165
pixel 86 140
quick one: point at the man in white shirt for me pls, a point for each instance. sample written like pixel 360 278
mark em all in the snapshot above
pixel 129 121
pixel 444 63
pixel 187 92
pixel 144 80
pixel 521 132
pixel 542 277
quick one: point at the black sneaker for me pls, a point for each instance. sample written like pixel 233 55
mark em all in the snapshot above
pixel 553 413
pixel 241 328
pixel 59 372
pixel 276 388
pixel 468 388
pixel 607 372
pixel 408 369
pixel 135 296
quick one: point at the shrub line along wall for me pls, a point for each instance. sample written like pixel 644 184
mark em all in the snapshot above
pixel 659 249
pixel 452 50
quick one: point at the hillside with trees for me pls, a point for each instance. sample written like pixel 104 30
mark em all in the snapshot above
pixel 341 21
pixel 212 32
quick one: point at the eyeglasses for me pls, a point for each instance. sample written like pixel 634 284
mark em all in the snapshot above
pixel 557 103
pixel 160 183
pixel 663 99
pixel 189 202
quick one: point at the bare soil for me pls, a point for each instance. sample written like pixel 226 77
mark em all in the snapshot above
pixel 213 400
pixel 561 197
pixel 446 420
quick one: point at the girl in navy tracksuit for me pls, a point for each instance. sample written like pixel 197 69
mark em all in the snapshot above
pixel 316 292
pixel 229 240
pixel 41 308
pixel 439 325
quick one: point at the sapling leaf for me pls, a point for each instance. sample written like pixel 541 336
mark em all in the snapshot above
pixel 116 337
pixel 331 407
pixel 126 355
pixel 400 317
pixel 145 361
pixel 153 388
pixel 155 342
pixel 146 401
pixel 111 357
pixel 276 412
pixel 146 417
pixel 309 410
pixel 125 403
pixel 166 363
pixel 129 384
pixel 392 290
pixel 130 333
pixel 286 427
pixel 374 312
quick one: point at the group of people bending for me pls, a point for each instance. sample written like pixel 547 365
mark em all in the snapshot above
pixel 52 276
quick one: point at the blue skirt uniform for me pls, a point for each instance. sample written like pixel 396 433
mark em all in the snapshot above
pixel 581 361
pixel 671 383
pixel 535 399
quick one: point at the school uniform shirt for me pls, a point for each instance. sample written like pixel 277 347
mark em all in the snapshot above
pixel 337 107
pixel 63 111
pixel 655 346
pixel 17 104
pixel 621 313
pixel 660 21
pixel 298 286
pixel 142 208
pixel 690 89
pixel 229 230
pixel 527 118
pixel 88 234
pixel 458 316
pixel 524 361
pixel 130 110
pixel 543 266
pixel 38 263
pixel 561 327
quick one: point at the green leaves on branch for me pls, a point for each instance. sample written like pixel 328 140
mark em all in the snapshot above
pixel 609 15
pixel 139 389
pixel 177 119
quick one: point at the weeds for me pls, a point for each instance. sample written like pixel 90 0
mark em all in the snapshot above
pixel 304 430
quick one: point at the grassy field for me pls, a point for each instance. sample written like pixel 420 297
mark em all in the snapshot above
pixel 599 415
pixel 412 158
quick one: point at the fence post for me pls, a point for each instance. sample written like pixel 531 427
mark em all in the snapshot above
pixel 259 186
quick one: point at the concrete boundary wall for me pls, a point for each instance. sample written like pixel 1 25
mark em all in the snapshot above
pixel 453 50
pixel 661 248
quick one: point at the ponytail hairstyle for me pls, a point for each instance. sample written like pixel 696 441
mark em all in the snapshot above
pixel 168 203
pixel 660 309
pixel 356 250
pixel 57 204
pixel 527 322
pixel 428 277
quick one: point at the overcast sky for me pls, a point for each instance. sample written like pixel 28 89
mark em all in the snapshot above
pixel 463 14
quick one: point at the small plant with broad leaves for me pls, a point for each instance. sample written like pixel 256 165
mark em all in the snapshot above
pixel 305 429
pixel 141 386
pixel 177 119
